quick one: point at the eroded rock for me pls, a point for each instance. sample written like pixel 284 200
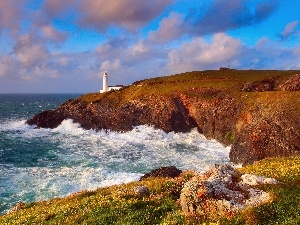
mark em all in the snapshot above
pixel 221 192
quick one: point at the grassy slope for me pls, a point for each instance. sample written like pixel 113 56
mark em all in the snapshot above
pixel 119 205
pixel 230 80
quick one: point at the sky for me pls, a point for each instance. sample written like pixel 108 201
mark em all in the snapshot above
pixel 55 46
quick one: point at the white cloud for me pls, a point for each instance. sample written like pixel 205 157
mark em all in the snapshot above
pixel 199 54
pixel 110 65
pixel 50 33
pixel 10 15
pixel 290 29
pixel 29 51
pixel 8 67
pixel 169 29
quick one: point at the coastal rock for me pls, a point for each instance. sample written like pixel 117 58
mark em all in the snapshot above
pixel 166 113
pixel 266 138
pixel 215 118
pixel 169 171
pixel 255 125
pixel 220 192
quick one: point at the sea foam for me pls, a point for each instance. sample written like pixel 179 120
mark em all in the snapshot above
pixel 69 159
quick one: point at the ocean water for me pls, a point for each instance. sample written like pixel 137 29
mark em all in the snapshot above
pixel 39 164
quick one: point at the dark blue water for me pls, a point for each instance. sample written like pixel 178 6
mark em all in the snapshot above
pixel 38 164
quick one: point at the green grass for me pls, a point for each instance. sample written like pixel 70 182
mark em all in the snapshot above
pixel 119 204
pixel 228 80
pixel 285 208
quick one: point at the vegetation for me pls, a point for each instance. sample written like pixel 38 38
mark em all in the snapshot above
pixel 120 205
pixel 190 83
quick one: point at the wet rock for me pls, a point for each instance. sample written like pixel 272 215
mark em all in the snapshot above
pixel 165 113
pixel 220 192
pixel 169 171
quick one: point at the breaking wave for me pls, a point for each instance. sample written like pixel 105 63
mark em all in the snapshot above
pixel 37 164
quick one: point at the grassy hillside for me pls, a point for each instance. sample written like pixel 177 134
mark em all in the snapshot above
pixel 208 85
pixel 120 205
pixel 229 80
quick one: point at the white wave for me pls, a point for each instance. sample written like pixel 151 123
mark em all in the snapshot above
pixel 68 126
pixel 36 184
pixel 13 125
pixel 75 159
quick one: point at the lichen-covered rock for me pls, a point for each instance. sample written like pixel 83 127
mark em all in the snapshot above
pixel 221 192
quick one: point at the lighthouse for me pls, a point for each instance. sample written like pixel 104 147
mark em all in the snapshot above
pixel 105 83
pixel 107 88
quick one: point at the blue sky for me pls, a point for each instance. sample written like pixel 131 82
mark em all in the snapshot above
pixel 54 46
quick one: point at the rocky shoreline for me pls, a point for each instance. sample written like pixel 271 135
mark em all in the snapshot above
pixel 259 118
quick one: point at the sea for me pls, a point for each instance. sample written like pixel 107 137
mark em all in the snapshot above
pixel 40 164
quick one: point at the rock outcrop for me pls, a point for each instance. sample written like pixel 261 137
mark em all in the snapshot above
pixel 259 120
pixel 166 113
pixel 260 86
pixel 168 171
pixel 222 192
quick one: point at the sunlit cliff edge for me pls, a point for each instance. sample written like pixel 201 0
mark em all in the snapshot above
pixel 256 112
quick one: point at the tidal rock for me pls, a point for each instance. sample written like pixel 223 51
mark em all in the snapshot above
pixel 220 192
pixel 169 171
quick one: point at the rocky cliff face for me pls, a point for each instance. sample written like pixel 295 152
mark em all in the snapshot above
pixel 166 113
pixel 259 120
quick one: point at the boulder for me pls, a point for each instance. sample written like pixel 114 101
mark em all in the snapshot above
pixel 221 192
pixel 169 171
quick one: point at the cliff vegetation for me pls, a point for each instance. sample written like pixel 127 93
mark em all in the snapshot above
pixel 121 205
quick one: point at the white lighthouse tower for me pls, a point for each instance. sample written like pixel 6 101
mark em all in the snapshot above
pixel 105 83
pixel 107 88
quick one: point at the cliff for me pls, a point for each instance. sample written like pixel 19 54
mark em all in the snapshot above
pixel 256 112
